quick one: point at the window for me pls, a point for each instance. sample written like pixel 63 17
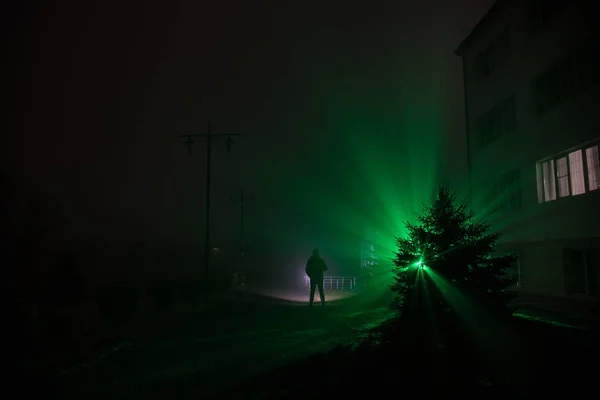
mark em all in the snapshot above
pixel 499 50
pixel 547 91
pixel 541 12
pixel 586 67
pixel 548 181
pixel 504 193
pixel 490 200
pixel 569 174
pixel 593 168
pixel 510 190
pixel 569 76
pixel 516 271
pixel 576 175
pixel 482 66
pixel 540 182
pixel 562 173
pixel 508 120
pixel 580 272
pixel 568 80
pixel 490 59
pixel 497 122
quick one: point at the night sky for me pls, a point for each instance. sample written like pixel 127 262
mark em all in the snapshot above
pixel 347 112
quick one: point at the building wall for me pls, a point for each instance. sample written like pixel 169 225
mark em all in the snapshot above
pixel 539 232
pixel 543 269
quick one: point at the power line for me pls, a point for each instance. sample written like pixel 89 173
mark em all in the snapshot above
pixel 189 143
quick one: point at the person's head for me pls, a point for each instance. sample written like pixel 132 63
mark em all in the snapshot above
pixel 316 253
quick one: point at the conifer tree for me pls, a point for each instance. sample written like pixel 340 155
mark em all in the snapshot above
pixel 447 239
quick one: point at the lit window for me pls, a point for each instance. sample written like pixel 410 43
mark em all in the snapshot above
pixel 549 183
pixel 577 176
pixel 540 182
pixel 593 167
pixel 562 173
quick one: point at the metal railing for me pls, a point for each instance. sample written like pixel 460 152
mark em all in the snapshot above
pixel 336 282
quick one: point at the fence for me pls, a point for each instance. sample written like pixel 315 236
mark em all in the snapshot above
pixel 336 282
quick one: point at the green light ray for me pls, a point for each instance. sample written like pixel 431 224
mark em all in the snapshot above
pixel 376 161
pixel 486 331
pixel 431 327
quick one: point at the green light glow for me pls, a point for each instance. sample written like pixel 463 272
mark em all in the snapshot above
pixel 375 161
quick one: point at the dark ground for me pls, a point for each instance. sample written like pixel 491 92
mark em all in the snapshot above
pixel 530 359
pixel 201 351
pixel 262 348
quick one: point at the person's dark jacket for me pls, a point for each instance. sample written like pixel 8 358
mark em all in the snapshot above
pixel 315 266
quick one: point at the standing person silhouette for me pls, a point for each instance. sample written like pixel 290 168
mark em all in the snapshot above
pixel 315 266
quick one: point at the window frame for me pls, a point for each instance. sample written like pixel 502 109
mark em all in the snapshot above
pixel 544 189
pixel 498 121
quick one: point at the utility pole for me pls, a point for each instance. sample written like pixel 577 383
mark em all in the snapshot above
pixel 242 199
pixel 190 142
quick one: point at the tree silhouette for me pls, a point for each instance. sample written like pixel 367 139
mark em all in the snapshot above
pixel 447 241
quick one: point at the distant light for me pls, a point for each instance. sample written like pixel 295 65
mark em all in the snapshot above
pixel 216 249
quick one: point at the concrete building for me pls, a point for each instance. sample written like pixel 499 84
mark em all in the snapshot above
pixel 532 106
